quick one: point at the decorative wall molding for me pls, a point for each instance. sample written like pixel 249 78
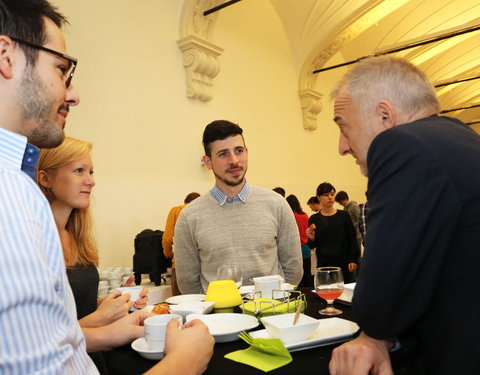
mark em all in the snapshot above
pixel 199 53
pixel 201 66
pixel 311 107
pixel 372 12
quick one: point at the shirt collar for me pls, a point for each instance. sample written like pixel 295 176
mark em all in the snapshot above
pixel 221 198
pixel 15 151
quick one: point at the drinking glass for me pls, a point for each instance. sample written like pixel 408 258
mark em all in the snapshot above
pixel 230 272
pixel 329 286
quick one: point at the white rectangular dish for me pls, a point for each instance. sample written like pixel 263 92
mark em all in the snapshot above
pixel 329 331
pixel 347 295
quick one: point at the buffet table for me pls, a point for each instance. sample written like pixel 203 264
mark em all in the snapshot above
pixel 125 361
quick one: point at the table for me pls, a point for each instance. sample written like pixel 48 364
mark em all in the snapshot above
pixel 125 361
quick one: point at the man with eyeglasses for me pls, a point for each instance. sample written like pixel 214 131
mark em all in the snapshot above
pixel 38 325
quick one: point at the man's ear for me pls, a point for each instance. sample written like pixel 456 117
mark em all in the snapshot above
pixel 6 57
pixel 386 111
pixel 207 162
pixel 43 179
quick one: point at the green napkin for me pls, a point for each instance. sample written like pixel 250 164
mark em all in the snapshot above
pixel 264 354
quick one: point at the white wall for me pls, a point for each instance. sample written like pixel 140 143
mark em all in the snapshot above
pixel 147 133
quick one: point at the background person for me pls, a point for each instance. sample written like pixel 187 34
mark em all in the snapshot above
pixel 334 236
pixel 235 223
pixel 280 191
pixel 353 210
pixel 314 204
pixel 423 199
pixel 302 222
pixel 167 239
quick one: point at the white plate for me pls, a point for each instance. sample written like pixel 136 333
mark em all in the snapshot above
pixel 226 327
pixel 186 308
pixel 141 347
pixel 329 331
pixel 175 300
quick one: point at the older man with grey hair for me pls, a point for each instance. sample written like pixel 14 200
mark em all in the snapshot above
pixel 419 270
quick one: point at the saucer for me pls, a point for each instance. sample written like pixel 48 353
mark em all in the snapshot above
pixel 141 347
pixel 175 300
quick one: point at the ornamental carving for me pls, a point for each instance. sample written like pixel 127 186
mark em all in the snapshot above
pixel 199 53
pixel 201 66
pixel 311 107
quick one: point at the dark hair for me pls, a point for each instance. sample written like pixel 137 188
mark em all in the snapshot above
pixel 218 130
pixel 280 191
pixel 313 200
pixel 295 204
pixel 341 196
pixel 190 197
pixel 324 188
pixel 23 19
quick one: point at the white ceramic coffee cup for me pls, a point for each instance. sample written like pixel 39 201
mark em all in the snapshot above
pixel 156 330
pixel 102 291
pixel 267 284
pixel 134 292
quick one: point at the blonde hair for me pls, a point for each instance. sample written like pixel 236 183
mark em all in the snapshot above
pixel 389 78
pixel 79 224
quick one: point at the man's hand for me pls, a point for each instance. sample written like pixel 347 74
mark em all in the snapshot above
pixel 193 345
pixel 362 356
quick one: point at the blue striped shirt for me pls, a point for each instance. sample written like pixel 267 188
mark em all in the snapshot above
pixel 221 198
pixel 39 331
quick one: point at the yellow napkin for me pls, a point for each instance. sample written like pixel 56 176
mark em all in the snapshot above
pixel 264 354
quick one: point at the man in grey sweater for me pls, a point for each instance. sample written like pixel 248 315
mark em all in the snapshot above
pixel 235 223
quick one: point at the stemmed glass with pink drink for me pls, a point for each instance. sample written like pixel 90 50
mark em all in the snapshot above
pixel 329 286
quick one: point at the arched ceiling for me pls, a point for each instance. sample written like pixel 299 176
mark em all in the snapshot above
pixel 318 30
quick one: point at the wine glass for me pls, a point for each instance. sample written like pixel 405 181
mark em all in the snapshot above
pixel 329 286
pixel 230 272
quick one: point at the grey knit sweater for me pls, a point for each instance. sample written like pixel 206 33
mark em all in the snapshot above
pixel 260 235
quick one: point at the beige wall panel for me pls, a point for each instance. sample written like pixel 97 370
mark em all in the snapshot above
pixel 147 133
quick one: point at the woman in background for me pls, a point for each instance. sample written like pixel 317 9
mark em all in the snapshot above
pixel 65 175
pixel 333 235
pixel 302 222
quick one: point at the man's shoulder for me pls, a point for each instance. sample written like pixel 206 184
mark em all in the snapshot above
pixel 265 194
pixel 428 127
pixel 19 189
pixel 352 205
pixel 14 179
pixel 199 204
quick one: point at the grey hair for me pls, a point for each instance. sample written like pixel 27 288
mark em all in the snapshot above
pixel 389 78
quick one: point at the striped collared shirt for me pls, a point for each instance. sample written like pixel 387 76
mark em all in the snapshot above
pixel 221 198
pixel 38 325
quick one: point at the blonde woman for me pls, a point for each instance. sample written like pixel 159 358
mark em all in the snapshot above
pixel 65 175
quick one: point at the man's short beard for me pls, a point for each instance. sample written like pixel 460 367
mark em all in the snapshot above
pixel 230 183
pixel 36 107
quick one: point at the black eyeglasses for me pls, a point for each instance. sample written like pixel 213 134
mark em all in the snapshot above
pixel 72 61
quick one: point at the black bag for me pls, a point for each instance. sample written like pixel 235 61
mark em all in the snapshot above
pixel 148 257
